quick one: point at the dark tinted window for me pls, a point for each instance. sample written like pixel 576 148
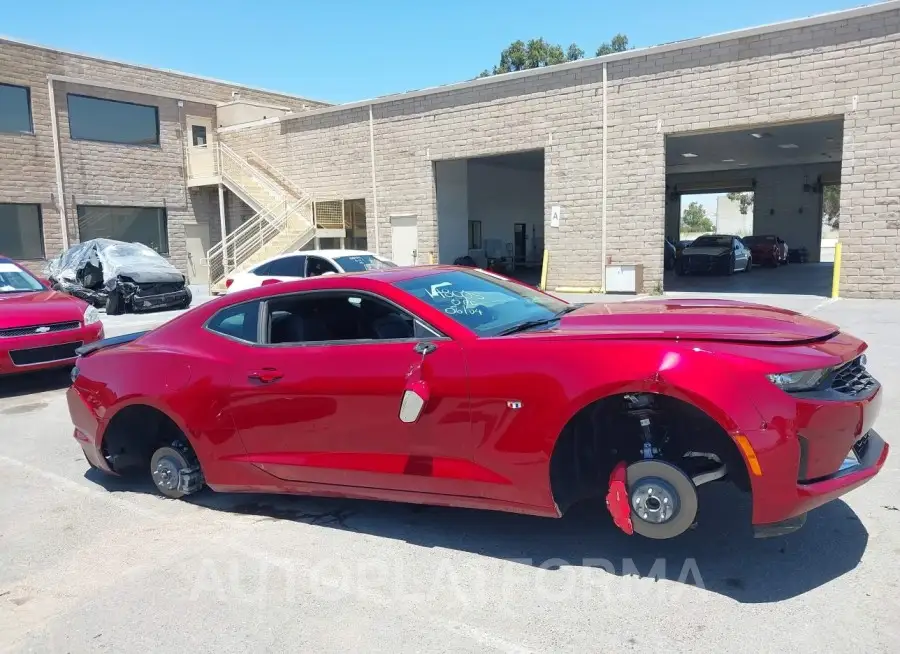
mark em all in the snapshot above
pixel 712 241
pixel 358 262
pixel 145 225
pixel 94 119
pixel 316 266
pixel 21 236
pixel 239 321
pixel 482 302
pixel 15 109
pixel 286 267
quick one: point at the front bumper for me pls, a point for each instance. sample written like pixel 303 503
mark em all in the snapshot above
pixel 817 448
pixel 704 263
pixel 45 351
pixel 141 302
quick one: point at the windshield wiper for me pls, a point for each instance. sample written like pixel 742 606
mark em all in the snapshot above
pixel 531 324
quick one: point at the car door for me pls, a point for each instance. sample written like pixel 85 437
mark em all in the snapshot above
pixel 328 411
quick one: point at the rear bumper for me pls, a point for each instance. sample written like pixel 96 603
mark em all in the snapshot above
pixel 45 351
pixel 87 429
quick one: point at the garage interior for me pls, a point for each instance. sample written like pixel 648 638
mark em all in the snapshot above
pixel 785 168
pixel 491 209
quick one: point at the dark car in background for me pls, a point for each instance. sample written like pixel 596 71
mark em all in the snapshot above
pixel 123 277
pixel 767 249
pixel 720 254
pixel 669 255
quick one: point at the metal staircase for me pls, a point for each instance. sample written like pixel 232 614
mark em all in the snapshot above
pixel 283 220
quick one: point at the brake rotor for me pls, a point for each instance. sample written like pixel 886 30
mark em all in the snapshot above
pixel 662 497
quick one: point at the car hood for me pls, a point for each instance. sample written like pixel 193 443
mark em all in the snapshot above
pixel 716 320
pixel 714 251
pixel 38 308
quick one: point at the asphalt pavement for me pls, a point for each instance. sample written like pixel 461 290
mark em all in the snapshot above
pixel 89 563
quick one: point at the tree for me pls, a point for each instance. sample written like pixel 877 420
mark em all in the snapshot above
pixel 538 53
pixel 831 205
pixel 695 220
pixel 619 43
pixel 745 200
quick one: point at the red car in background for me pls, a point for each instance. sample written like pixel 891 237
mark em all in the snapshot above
pixel 40 328
pixel 767 249
pixel 455 386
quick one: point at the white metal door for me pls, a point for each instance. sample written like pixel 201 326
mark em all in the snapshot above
pixel 404 240
pixel 196 238
pixel 201 156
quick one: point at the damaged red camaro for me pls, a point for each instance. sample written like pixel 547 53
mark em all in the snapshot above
pixel 456 386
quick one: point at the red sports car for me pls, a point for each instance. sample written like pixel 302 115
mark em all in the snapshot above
pixel 40 328
pixel 456 386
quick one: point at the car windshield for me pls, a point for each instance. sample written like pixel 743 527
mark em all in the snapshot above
pixel 359 262
pixel 758 240
pixel 712 242
pixel 483 302
pixel 15 280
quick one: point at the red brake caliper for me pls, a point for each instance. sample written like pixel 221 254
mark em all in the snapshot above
pixel 617 499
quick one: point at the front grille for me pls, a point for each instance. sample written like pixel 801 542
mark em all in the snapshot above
pixel 47 354
pixel 39 329
pixel 852 379
pixel 160 288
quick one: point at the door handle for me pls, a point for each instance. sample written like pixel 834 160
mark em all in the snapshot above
pixel 266 375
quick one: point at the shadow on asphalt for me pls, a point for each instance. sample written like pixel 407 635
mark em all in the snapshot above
pixel 35 382
pixel 729 560
pixel 792 279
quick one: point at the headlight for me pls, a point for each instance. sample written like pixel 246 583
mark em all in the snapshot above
pixel 798 381
pixel 91 315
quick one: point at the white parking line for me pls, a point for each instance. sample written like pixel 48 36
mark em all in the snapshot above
pixel 822 305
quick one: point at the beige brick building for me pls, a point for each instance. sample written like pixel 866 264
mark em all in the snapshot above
pixel 609 145
pixel 137 159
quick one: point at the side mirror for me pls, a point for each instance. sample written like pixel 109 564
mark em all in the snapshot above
pixel 415 397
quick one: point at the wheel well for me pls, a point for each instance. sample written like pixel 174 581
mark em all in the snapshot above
pixel 608 431
pixel 135 433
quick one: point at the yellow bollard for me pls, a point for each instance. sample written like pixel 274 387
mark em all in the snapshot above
pixel 544 270
pixel 836 275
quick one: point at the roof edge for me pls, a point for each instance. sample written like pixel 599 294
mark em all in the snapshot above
pixel 781 26
pixel 168 71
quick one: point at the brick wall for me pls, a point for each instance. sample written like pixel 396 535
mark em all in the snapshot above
pixel 100 173
pixel 794 74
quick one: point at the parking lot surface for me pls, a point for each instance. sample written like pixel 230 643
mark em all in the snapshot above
pixel 89 563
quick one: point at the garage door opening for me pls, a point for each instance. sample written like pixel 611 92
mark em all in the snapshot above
pixel 490 212
pixel 775 189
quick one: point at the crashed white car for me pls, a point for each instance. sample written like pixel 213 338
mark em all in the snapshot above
pixel 306 263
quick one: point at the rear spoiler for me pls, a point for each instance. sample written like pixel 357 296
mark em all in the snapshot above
pixel 85 350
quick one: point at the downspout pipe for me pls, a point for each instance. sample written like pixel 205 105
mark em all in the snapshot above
pixel 57 161
pixel 603 193
pixel 374 187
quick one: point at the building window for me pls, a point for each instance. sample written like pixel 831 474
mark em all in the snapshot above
pixel 474 234
pixel 21 232
pixel 111 121
pixel 145 225
pixel 15 109
pixel 198 135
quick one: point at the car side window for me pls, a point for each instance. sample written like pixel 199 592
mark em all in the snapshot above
pixel 261 270
pixel 287 266
pixel 316 266
pixel 239 322
pixel 340 316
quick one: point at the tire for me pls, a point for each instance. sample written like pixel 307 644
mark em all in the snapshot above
pixel 115 304
pixel 731 263
pixel 749 267
pixel 679 268
pixel 166 467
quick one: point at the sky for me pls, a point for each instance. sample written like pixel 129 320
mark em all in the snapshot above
pixel 341 51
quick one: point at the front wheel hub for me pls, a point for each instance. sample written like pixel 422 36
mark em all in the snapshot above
pixel 663 499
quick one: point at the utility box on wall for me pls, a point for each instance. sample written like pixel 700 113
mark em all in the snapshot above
pixel 625 278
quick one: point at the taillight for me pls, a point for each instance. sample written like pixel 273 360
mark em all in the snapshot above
pixel 229 282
